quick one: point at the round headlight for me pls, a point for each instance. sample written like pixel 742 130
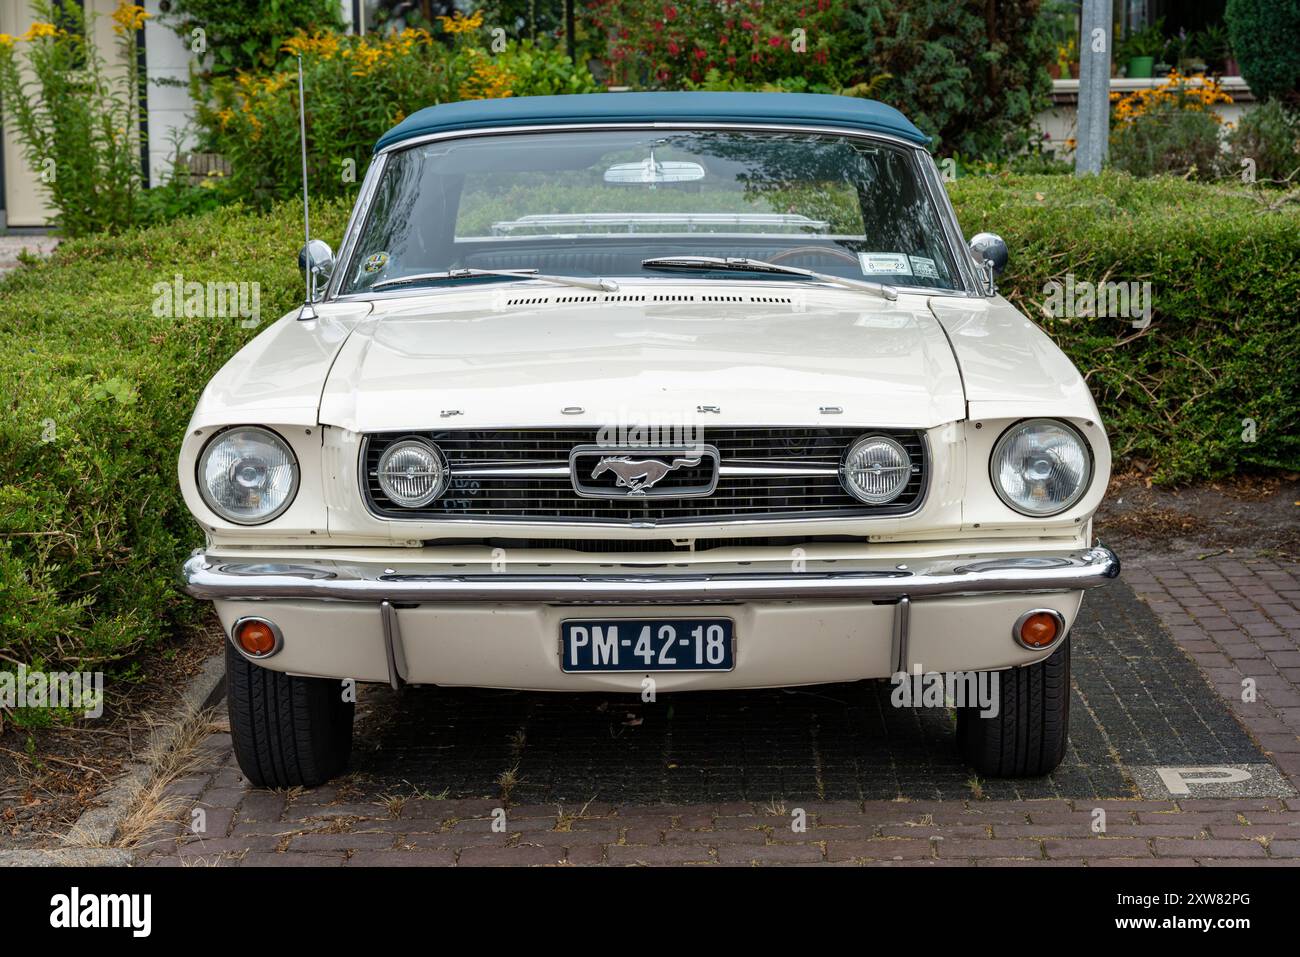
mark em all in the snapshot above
pixel 248 475
pixel 1040 467
pixel 412 473
pixel 875 470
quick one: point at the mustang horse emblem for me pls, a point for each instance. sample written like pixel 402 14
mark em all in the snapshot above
pixel 637 475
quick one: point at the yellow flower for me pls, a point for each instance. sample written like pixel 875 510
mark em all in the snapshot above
pixel 1196 93
pixel 6 40
pixel 323 45
pixel 459 23
pixel 273 83
pixel 38 30
pixel 128 17
pixel 487 82
pixel 366 57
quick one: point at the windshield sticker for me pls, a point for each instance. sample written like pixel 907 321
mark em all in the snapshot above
pixel 923 268
pixel 889 264
pixel 374 263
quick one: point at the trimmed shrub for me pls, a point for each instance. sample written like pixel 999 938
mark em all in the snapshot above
pixel 1268 136
pixel 1265 37
pixel 1223 346
pixel 1167 140
pixel 97 390
pixel 96 394
pixel 1170 128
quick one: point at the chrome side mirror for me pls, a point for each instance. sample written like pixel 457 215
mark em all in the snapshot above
pixel 990 253
pixel 316 263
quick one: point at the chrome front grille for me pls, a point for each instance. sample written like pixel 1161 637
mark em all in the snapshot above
pixel 523 474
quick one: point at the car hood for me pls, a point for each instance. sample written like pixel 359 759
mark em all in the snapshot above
pixel 278 375
pixel 1009 366
pixel 534 357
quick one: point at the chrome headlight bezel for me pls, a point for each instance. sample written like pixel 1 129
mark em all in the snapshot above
pixel 226 435
pixel 1014 430
pixel 439 459
pixel 857 492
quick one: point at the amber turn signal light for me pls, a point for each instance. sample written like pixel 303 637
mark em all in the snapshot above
pixel 256 637
pixel 1038 629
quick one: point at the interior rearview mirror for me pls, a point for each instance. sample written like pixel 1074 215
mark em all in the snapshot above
pixel 651 171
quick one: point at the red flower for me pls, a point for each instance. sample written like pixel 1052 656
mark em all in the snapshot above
pixel 670 13
pixel 700 54
pixel 673 48
pixel 775 41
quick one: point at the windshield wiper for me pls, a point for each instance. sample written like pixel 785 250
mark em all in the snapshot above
pixel 600 285
pixel 758 265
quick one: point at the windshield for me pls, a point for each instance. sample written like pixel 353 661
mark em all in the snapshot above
pixel 598 203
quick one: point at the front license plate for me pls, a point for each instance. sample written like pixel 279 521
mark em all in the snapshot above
pixel 646 644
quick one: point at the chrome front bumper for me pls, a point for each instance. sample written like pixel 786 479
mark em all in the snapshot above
pixel 228 579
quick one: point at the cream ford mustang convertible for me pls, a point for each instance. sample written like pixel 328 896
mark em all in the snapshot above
pixel 646 391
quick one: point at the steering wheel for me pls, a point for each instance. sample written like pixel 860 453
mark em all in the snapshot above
pixel 831 251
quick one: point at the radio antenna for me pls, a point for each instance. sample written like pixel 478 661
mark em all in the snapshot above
pixel 308 311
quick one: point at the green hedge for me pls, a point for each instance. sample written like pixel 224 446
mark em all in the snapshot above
pixel 1265 36
pixel 92 527
pixel 1224 341
pixel 96 393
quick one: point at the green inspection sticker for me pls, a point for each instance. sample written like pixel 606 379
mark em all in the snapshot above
pixel 374 263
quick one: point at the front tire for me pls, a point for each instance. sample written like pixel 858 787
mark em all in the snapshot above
pixel 1028 735
pixel 287 731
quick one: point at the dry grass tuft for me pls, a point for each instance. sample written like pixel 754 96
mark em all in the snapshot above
pixel 152 807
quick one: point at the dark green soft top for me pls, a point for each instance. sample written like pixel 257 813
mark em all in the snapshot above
pixel 797 109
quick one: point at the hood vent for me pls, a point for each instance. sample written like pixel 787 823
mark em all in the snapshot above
pixel 568 300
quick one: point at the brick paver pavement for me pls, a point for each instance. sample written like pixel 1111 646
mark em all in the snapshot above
pixel 1239 620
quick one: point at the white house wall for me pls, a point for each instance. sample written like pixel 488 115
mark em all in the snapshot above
pixel 167 58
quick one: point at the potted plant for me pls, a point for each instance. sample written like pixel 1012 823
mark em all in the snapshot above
pixel 1067 57
pixel 1186 57
pixel 1141 49
pixel 1060 17
pixel 1213 45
